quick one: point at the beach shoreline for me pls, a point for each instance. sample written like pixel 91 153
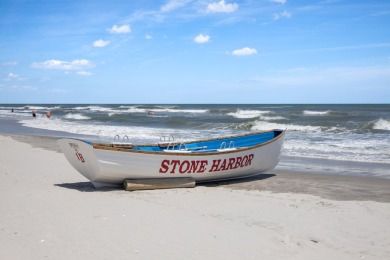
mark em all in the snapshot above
pixel 51 211
pixel 333 185
pixel 302 153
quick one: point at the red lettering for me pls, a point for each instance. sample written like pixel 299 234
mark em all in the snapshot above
pixel 199 166
pixel 231 162
pixel 184 169
pixel 203 164
pixel 244 161
pixel 174 163
pixel 164 166
pixel 238 162
pixel 250 159
pixel 80 157
pixel 214 167
pixel 223 166
pixel 194 166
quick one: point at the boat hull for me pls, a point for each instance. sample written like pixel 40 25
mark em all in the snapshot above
pixel 111 167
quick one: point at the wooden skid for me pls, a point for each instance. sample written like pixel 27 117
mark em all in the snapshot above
pixel 152 184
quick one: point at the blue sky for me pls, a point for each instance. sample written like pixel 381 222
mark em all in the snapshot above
pixel 183 51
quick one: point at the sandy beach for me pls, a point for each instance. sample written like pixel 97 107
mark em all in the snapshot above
pixel 49 211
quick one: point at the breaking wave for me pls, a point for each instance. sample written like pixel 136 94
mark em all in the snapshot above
pixel 263 126
pixel 316 113
pixel 248 113
pixel 382 124
pixel 76 116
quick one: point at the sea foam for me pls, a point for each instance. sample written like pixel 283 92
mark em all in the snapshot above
pixel 315 113
pixel 382 124
pixel 76 116
pixel 248 113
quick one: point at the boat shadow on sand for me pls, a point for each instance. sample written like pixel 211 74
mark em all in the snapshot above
pixel 252 179
pixel 85 187
pixel 88 187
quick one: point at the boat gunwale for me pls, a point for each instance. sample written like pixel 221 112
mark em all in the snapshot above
pixel 127 147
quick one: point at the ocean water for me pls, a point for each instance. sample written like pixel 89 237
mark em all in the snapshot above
pixel 358 135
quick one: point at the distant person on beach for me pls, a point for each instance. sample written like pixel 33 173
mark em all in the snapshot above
pixel 48 114
pixel 12 110
pixel 34 114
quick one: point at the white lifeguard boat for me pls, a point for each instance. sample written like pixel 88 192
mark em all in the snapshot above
pixel 214 159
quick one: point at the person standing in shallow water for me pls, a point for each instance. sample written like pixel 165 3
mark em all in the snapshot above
pixel 48 114
pixel 34 114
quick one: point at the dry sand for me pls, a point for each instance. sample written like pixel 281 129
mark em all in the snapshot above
pixel 49 211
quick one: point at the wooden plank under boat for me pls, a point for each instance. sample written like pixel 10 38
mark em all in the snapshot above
pixel 214 159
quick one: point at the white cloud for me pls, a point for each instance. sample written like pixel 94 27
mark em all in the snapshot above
pixel 10 63
pixel 202 38
pixel 83 73
pixel 12 76
pixel 279 1
pixel 284 14
pixel 221 7
pixel 244 51
pixel 81 64
pixel 120 29
pixel 22 88
pixel 172 5
pixel 100 43
pixel 28 88
pixel 148 37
